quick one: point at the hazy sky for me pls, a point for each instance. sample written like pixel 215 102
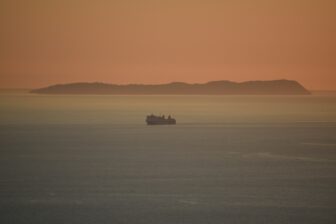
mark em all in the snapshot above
pixel 44 42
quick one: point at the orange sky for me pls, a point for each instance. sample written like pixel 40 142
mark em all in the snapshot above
pixel 155 41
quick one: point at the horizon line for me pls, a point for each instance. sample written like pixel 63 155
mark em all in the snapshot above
pixel 162 83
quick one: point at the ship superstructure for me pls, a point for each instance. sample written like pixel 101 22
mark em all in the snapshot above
pixel 157 120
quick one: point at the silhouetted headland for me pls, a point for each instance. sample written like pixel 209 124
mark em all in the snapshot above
pixel 274 87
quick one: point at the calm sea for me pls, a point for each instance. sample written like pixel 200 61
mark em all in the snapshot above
pixel 229 159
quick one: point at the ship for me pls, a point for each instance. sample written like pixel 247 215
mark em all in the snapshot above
pixel 159 120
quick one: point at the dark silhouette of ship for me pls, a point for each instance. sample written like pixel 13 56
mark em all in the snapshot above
pixel 157 120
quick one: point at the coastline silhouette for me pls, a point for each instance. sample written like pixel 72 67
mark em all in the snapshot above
pixel 273 87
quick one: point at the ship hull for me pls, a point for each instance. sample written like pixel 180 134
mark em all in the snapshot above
pixel 161 122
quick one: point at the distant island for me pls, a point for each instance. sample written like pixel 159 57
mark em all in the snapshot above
pixel 273 87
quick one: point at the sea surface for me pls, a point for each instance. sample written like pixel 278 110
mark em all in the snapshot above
pixel 230 159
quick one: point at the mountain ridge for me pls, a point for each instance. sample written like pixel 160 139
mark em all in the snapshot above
pixel 219 87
